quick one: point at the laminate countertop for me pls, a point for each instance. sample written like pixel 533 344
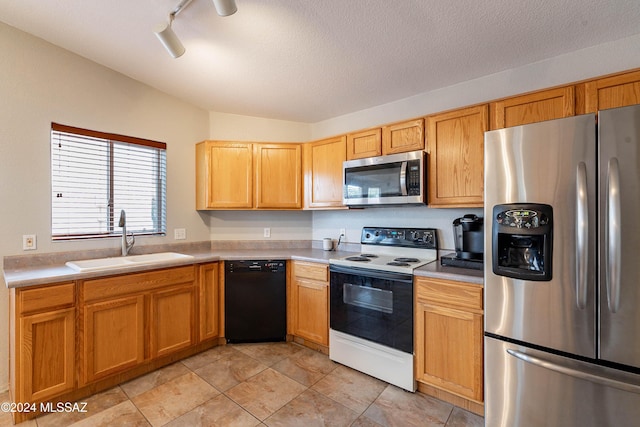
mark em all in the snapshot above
pixel 34 271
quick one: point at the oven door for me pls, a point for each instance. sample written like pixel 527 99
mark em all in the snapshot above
pixel 374 305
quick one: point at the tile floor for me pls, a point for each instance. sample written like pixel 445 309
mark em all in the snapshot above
pixel 274 384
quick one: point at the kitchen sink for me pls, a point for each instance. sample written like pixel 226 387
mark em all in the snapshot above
pixel 128 261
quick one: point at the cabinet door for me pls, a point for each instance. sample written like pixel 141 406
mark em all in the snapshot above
pixel 323 172
pixel 172 324
pixel 403 137
pixel 535 107
pixel 367 143
pixel 455 142
pixel 47 357
pixel 113 336
pixel 278 176
pixel 449 349
pixel 311 302
pixel 612 92
pixel 209 302
pixel 224 175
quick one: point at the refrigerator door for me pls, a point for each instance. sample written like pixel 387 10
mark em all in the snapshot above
pixel 551 163
pixel 619 229
pixel 530 388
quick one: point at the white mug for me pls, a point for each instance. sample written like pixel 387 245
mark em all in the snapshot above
pixel 327 244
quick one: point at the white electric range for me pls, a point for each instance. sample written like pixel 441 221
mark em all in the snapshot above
pixel 371 302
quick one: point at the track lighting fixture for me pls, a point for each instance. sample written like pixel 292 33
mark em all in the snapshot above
pixel 168 38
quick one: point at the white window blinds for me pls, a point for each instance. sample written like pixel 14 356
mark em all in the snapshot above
pixel 94 175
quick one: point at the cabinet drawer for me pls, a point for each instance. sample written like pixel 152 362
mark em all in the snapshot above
pixel 46 298
pixel 311 271
pixel 448 293
pixel 134 283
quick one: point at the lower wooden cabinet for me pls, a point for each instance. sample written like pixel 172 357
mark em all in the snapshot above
pixel 449 336
pixel 113 336
pixel 209 301
pixel 42 342
pixel 309 302
pixel 172 323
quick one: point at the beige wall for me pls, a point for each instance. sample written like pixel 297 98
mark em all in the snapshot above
pixel 40 83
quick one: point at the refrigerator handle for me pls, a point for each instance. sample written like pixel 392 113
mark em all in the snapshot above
pixel 612 246
pixel 583 375
pixel 582 236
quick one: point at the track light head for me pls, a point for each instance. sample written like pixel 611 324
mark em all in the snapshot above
pixel 169 40
pixel 225 7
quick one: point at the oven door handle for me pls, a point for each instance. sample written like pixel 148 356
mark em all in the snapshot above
pixel 376 274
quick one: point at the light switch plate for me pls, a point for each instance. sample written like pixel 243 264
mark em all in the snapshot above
pixel 179 233
pixel 267 232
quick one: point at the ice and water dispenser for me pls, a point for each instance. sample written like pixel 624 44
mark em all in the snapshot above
pixel 522 241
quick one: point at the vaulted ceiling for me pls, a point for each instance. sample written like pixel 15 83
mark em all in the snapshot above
pixel 310 60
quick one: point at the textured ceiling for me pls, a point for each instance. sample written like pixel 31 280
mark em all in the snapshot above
pixel 310 60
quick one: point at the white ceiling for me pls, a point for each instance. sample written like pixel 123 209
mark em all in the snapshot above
pixel 310 60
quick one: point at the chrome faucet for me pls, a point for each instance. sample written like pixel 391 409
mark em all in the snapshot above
pixel 127 243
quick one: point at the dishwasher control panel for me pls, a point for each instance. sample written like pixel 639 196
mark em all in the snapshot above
pixel 274 266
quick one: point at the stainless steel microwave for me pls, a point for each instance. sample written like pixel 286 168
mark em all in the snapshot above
pixel 397 179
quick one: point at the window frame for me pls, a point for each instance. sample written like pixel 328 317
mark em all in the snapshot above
pixel 112 216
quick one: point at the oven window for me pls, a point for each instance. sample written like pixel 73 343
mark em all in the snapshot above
pixel 375 309
pixel 368 297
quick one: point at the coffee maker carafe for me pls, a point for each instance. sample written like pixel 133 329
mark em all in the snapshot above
pixel 468 234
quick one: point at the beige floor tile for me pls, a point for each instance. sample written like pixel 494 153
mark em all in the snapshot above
pixel 123 414
pixel 306 366
pixel 397 407
pixel 174 398
pixel 230 370
pixel 95 404
pixel 268 353
pixel 363 421
pixel 265 393
pixel 208 356
pixel 153 379
pixel 351 388
pixel 217 412
pixel 312 409
pixel 461 418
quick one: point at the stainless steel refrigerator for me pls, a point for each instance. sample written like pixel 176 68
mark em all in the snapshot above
pixel 562 272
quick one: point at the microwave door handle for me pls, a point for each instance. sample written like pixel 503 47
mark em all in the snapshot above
pixel 403 178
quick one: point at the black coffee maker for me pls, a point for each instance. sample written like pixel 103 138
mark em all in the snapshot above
pixel 468 235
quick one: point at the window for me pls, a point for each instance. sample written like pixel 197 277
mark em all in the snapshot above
pixel 95 175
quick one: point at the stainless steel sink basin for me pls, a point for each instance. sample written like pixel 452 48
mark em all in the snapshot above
pixel 128 261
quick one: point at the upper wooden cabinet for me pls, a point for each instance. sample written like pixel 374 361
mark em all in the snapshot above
pixel 535 107
pixel 403 137
pixel 239 175
pixel 278 176
pixel 455 143
pixel 366 143
pixel 611 92
pixel 224 175
pixel 323 172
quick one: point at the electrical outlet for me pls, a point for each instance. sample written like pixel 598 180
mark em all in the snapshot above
pixel 343 232
pixel 267 232
pixel 29 242
pixel 179 233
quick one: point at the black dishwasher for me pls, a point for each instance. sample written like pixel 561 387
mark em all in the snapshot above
pixel 255 301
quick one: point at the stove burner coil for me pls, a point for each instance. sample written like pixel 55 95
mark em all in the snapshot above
pixel 369 255
pixel 358 259
pixel 398 264
pixel 405 260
